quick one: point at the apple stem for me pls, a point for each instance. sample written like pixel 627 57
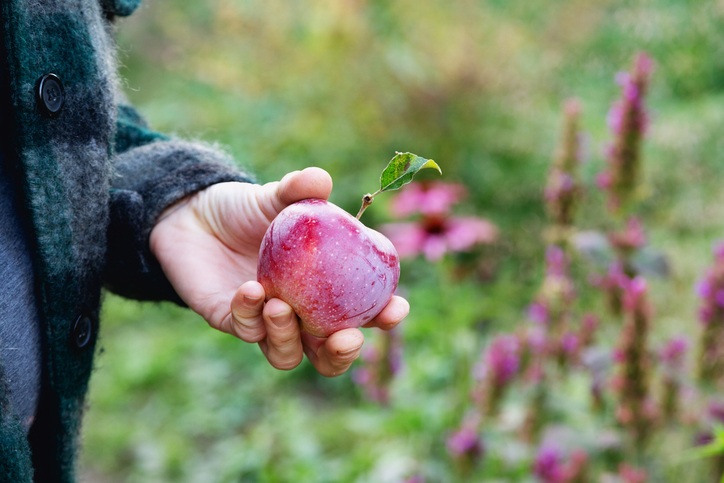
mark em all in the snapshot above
pixel 366 201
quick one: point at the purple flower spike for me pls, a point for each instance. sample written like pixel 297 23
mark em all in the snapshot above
pixel 716 411
pixel 672 354
pixel 628 121
pixel 603 180
pixel 710 290
pixel 538 313
pixel 361 376
pixel 703 288
pixel 706 314
pixel 548 465
pixel 563 188
pixel 464 442
pixel 556 260
pixel 644 64
pixel 634 291
pixel 569 343
pixel 719 250
pixel 503 359
pixel 631 238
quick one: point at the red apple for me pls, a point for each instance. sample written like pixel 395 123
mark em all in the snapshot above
pixel 331 269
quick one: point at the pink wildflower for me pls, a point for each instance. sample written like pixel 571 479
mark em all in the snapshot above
pixel 631 474
pixel 628 121
pixel 433 237
pixel 502 358
pixel 496 368
pixel 634 290
pixel 569 343
pixel 671 356
pixel 631 238
pixel 711 313
pixel 588 329
pixel 431 199
pixel 538 313
pixel 562 189
pixel 703 288
pixel 556 261
pixel 548 465
pixel 632 354
pixel 672 353
pixel 378 366
pixel 716 411
pixel 603 180
pixel 465 443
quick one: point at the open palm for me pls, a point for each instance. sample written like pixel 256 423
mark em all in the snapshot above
pixel 208 245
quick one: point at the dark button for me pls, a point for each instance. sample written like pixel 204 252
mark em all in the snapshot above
pixel 81 333
pixel 51 95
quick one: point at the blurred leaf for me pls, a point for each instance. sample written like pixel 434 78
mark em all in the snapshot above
pixel 715 448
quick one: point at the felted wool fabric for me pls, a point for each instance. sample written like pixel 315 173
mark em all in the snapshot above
pixel 94 180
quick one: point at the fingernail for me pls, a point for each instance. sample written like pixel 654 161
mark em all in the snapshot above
pixel 281 320
pixel 344 353
pixel 251 300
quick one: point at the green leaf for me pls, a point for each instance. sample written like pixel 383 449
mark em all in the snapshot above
pixel 401 170
pixel 715 448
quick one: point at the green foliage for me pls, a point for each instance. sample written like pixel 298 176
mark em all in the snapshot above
pixel 478 85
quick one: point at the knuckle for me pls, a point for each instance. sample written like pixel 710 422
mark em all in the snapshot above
pixel 248 332
pixel 285 340
pixel 286 364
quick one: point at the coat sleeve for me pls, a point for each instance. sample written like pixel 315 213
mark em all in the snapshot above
pixel 151 172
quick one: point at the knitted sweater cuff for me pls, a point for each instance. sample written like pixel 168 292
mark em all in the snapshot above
pixel 147 180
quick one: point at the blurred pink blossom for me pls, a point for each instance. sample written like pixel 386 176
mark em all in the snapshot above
pixel 465 443
pixel 716 411
pixel 538 313
pixel 703 288
pixel 631 238
pixel 430 199
pixel 631 474
pixel 633 292
pixel 673 351
pixel 503 358
pixel 718 250
pixel 628 121
pixel 569 343
pixel 556 261
pixel 548 465
pixel 435 237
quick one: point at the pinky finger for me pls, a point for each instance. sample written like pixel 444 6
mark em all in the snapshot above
pixel 336 354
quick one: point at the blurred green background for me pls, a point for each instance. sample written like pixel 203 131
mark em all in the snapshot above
pixel 343 84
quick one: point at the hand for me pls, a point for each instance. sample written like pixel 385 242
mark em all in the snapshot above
pixel 208 245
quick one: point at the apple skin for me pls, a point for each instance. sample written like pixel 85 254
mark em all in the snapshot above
pixel 331 269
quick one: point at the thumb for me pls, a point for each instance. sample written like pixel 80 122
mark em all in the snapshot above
pixel 302 185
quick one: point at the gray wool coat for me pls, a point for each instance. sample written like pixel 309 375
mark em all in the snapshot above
pixel 94 179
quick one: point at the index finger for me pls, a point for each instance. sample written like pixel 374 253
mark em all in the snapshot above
pixel 393 313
